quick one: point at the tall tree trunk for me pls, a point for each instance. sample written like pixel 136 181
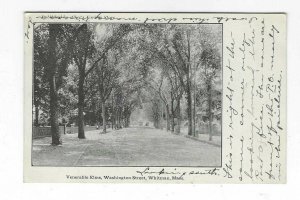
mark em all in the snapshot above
pixel 172 116
pixel 168 117
pixel 161 115
pixel 121 118
pixel 128 120
pixel 210 109
pixel 125 117
pixel 103 115
pixel 56 138
pixel 112 112
pixel 36 120
pixel 81 134
pixel 117 118
pixel 112 123
pixel 189 94
pixel 194 105
pixel 36 102
pixel 189 107
pixel 172 122
pixel 178 117
pixel 81 64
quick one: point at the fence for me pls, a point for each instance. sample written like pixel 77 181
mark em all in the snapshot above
pixel 203 128
pixel 74 129
pixel 45 131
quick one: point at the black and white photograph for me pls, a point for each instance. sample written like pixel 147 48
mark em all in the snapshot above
pixel 127 94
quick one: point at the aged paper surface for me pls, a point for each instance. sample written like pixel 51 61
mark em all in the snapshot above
pixel 253 109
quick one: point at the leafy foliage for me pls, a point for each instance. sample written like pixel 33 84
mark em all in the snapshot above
pixel 162 68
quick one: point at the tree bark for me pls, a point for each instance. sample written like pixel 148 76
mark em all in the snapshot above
pixel 103 115
pixel 161 115
pixel 189 107
pixel 178 117
pixel 121 118
pixel 172 116
pixel 172 122
pixel 127 118
pixel 189 94
pixel 209 109
pixel 129 115
pixel 112 112
pixel 116 119
pixel 56 138
pixel 81 134
pixel 168 117
pixel 36 120
pixel 36 101
pixel 80 60
pixel 127 122
pixel 117 125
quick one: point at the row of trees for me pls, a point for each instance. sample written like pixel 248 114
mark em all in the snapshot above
pixel 188 63
pixel 101 72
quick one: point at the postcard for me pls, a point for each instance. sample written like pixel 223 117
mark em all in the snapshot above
pixel 155 97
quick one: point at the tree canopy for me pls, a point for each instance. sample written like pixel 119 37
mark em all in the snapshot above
pixel 101 73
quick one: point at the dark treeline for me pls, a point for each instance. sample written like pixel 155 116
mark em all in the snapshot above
pixel 92 74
